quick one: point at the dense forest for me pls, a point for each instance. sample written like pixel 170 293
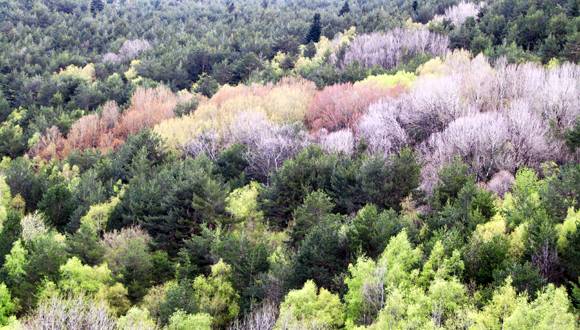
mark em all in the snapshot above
pixel 289 164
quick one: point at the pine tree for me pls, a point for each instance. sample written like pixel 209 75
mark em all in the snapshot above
pixel 97 6
pixel 345 9
pixel 315 30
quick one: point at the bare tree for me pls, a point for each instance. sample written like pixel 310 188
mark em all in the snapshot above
pixel 501 182
pixel 206 143
pixel 268 145
pixel 130 50
pixel 262 317
pixel 381 130
pixel 390 49
pixel 480 140
pixel 459 13
pixel 338 142
pixel 70 313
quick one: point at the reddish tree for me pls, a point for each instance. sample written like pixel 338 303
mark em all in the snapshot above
pixel 110 128
pixel 340 106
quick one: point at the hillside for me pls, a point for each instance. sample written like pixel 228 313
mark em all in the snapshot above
pixel 289 164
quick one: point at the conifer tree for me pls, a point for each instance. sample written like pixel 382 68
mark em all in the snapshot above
pixel 345 9
pixel 315 30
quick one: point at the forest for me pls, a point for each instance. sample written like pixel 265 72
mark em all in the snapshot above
pixel 289 164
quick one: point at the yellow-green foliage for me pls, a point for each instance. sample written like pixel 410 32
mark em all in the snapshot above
pixel 517 239
pixel 131 74
pixel 86 73
pixel 456 61
pixel 400 261
pixel 182 321
pixel 362 276
pixel 98 214
pixel 216 296
pixel 136 318
pixel 507 310
pixel 568 227
pixel 284 102
pixel 434 66
pixel 487 231
pixel 242 203
pixel 4 200
pixel 439 266
pixel 310 308
pixel 401 78
pixel 77 278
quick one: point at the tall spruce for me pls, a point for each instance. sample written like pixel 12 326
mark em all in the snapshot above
pixel 314 31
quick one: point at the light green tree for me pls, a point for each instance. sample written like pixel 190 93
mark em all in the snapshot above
pixel 242 203
pixel 136 319
pixel 366 292
pixel 551 310
pixel 16 261
pixel 400 261
pixel 182 321
pixel 508 310
pixel 216 296
pixel 78 279
pixel 310 308
pixel 446 299
pixel 7 306
pixel 568 227
pixel 97 281
pixel 440 266
pixel 4 200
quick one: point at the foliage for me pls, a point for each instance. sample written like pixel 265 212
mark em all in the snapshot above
pixel 216 296
pixel 181 321
pixel 151 201
pixel 261 164
pixel 310 308
pixel 136 318
pixel 7 306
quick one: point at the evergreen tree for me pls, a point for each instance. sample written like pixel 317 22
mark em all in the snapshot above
pixel 315 30
pixel 573 137
pixel 345 9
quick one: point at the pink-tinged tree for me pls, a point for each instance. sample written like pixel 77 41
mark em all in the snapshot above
pixel 340 106
pixel 110 128
pixel 149 106
pixel 50 145
pixel 130 49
